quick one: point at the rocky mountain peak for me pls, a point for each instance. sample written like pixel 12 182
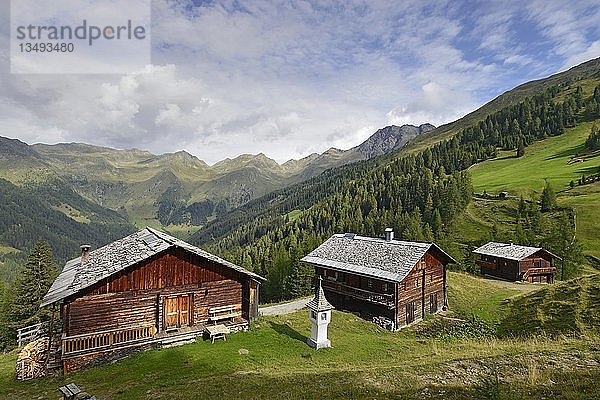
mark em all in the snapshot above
pixel 391 138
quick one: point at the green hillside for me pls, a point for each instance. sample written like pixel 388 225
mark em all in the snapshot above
pixel 556 160
pixel 55 213
pixel 566 309
pixel 364 362
pixel 425 195
pixel 553 159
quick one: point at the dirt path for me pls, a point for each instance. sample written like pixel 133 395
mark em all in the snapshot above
pixel 285 308
pixel 520 286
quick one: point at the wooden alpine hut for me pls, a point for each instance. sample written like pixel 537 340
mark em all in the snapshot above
pixel 392 282
pixel 146 288
pixel 516 263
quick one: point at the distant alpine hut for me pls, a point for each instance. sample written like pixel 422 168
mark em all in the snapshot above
pixel 516 263
pixel 146 288
pixel 392 282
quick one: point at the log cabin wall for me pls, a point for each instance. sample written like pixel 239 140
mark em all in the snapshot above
pixel 354 280
pixel 135 296
pixel 173 268
pixel 347 300
pixel 423 290
pixel 435 284
pixel 95 313
pixel 216 294
pixel 534 262
pixel 504 268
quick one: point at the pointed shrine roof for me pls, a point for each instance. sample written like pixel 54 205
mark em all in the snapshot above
pixel 319 302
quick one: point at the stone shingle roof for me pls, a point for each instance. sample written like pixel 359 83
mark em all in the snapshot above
pixel 117 256
pixel 319 302
pixel 389 260
pixel 509 251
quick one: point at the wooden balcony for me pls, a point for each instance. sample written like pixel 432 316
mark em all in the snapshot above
pixel 384 299
pixel 104 340
pixel 539 271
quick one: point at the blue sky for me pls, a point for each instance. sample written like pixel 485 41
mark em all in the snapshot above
pixel 291 78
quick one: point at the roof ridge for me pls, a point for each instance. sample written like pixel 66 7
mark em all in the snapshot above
pixel 383 240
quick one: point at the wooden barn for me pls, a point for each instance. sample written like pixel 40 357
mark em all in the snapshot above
pixel 146 288
pixel 392 282
pixel 516 263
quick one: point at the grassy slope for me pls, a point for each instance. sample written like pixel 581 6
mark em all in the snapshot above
pixel 548 159
pixel 365 362
pixel 567 308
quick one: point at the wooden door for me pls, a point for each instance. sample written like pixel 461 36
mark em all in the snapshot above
pixel 252 306
pixel 171 310
pixel 176 311
pixel 410 312
pixel 184 310
pixel 433 303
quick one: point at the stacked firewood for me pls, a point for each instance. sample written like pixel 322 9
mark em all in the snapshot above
pixel 31 362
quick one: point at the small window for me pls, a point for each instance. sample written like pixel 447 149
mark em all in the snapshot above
pixel 384 287
pixel 416 283
pixel 370 283
pixel 313 314
pixel 323 316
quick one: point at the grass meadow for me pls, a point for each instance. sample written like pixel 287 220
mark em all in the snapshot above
pixel 365 360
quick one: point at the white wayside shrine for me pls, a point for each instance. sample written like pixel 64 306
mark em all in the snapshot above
pixel 320 317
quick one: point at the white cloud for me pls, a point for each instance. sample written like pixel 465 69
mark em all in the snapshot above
pixel 291 79
pixel 592 51
pixel 431 105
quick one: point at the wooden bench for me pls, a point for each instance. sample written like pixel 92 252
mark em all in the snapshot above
pixel 216 314
pixel 71 391
pixel 217 332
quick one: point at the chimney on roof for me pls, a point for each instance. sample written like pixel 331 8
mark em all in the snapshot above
pixel 85 252
pixel 389 234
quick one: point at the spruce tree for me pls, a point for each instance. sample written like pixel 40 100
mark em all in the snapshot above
pixel 548 200
pixel 520 149
pixel 437 224
pixel 593 141
pixel 7 337
pixel 563 243
pixel 30 286
pixel 299 281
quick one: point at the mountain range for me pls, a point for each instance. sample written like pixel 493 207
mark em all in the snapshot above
pixel 73 193
pixel 104 189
